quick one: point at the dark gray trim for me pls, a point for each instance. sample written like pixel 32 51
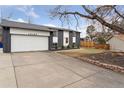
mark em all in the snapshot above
pixel 71 39
pixel 78 39
pixel 50 40
pixel 60 39
pixel 56 46
pixel 6 40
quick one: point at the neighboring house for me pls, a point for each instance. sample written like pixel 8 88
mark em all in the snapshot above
pixel 117 43
pixel 20 37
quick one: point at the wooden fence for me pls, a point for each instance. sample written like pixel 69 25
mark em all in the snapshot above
pixel 87 44
pixel 91 44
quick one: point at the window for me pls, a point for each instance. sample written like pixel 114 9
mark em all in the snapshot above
pixel 55 39
pixel 66 40
pixel 74 39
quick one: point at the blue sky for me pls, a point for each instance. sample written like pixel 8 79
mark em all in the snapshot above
pixel 39 15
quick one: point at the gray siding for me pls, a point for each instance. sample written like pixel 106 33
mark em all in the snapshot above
pixel 70 39
pixel 78 39
pixel 6 40
pixel 60 39
pixel 1 33
pixel 50 40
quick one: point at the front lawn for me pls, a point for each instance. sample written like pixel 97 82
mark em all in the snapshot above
pixel 81 52
pixel 100 55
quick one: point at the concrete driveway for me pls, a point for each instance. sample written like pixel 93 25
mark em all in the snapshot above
pixel 49 69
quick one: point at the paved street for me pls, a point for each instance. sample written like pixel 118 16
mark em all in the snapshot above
pixel 49 69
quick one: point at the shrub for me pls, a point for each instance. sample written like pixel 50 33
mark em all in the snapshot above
pixel 101 40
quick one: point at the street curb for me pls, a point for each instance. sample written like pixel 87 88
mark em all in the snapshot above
pixel 104 65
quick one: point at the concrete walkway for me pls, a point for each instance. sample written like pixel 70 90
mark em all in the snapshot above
pixel 49 69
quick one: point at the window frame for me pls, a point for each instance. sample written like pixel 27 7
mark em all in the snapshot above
pixel 66 40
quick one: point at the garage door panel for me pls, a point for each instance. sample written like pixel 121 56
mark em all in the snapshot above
pixel 28 43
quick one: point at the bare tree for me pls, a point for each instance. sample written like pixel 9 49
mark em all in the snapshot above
pixel 91 31
pixel 106 15
pixel 29 17
pixel 8 15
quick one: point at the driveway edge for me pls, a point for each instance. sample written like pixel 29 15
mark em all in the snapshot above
pixel 104 65
pixel 14 71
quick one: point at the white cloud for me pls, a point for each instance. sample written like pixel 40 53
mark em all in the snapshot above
pixel 19 20
pixel 33 14
pixel 28 11
pixel 49 25
pixel 22 8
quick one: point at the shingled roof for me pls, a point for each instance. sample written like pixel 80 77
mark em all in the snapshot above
pixel 14 24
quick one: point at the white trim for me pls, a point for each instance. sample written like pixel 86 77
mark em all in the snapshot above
pixel 28 32
pixel 65 35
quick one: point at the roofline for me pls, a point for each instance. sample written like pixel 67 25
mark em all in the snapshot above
pixel 58 28
pixel 26 28
pixel 7 23
pixel 13 24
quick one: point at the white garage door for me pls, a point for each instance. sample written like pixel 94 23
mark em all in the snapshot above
pixel 28 43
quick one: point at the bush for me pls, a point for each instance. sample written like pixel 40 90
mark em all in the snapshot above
pixel 101 40
pixel 63 47
pixel 69 46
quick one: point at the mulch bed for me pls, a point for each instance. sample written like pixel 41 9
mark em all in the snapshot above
pixel 108 58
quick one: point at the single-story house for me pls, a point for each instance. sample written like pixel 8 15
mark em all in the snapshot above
pixel 20 37
pixel 116 43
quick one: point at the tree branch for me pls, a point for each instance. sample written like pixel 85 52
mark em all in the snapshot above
pixel 75 13
pixel 103 22
pixel 93 15
pixel 116 11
